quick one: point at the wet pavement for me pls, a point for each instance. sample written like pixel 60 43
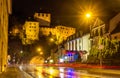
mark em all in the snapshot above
pixel 68 72
pixel 28 71
pixel 14 72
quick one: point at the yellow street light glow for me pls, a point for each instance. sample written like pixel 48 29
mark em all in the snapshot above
pixel 88 15
pixel 51 39
pixel 51 61
pixel 39 49
pixel 41 53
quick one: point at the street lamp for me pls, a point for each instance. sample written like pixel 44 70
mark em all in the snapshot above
pixel 88 15
pixel 51 39
pixel 51 61
pixel 41 53
pixel 39 49
pixel 100 47
pixel 21 51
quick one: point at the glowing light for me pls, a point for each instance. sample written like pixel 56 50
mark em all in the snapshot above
pixel 61 75
pixel 46 61
pixel 88 15
pixel 51 61
pixel 21 51
pixel 39 49
pixel 51 71
pixel 41 53
pixel 61 69
pixel 51 39
pixel 66 57
pixel 61 60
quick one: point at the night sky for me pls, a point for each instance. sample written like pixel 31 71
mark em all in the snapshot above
pixel 64 12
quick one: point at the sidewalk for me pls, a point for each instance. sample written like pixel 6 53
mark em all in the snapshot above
pixel 14 72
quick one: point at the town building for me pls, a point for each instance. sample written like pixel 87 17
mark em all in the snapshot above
pixel 105 40
pixel 43 18
pixel 31 32
pixel 97 31
pixel 77 47
pixel 47 31
pixel 62 32
pixel 5 10
pixel 114 27
pixel 59 32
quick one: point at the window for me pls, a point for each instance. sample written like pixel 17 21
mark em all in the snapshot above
pixel 42 14
pixel 46 15
pixel 38 14
pixel 101 32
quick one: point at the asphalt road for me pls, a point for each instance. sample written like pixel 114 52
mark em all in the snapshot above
pixel 65 72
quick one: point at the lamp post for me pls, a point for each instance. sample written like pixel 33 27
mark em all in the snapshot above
pixel 100 46
pixel 88 15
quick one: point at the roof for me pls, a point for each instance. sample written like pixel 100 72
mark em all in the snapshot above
pixel 117 29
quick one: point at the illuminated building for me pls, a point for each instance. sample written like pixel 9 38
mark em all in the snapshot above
pixel 15 30
pixel 114 32
pixel 5 10
pixel 76 45
pixel 47 30
pixel 98 30
pixel 114 27
pixel 64 32
pixel 31 31
pixel 60 32
pixel 43 18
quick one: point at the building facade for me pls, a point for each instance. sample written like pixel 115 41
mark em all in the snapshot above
pixel 47 31
pixel 43 18
pixel 77 46
pixel 114 27
pixel 115 32
pixel 5 10
pixel 31 31
pixel 62 32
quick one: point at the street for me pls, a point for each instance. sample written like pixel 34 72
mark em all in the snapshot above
pixel 66 72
